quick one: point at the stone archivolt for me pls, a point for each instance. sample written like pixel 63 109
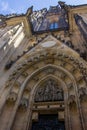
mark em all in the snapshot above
pixel 60 72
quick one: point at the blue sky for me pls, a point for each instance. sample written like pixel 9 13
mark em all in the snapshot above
pixel 21 6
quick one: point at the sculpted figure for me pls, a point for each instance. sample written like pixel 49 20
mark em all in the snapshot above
pixel 49 92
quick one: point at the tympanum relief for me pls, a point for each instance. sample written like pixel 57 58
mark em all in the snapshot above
pixel 49 91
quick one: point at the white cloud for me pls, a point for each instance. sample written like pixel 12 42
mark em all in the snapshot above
pixel 5 7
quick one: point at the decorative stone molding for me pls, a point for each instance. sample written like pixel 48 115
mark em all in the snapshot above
pixel 23 103
pixel 72 102
pixel 80 81
pixel 63 64
pixel 49 61
pixel 63 75
pixel 35 78
pixel 25 74
pixel 77 63
pixel 50 71
pixel 7 84
pixel 83 94
pixel 73 70
pixel 12 97
pixel 70 86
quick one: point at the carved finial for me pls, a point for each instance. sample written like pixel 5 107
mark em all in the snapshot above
pixel 29 11
pixel 63 5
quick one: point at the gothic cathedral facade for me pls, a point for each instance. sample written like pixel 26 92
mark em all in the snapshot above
pixel 43 69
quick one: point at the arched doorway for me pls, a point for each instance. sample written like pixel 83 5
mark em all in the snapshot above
pixel 48 108
pixel 48 122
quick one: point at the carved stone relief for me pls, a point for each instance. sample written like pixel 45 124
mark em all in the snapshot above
pixel 49 91
pixel 50 71
pixel 72 102
pixel 12 97
pixel 23 103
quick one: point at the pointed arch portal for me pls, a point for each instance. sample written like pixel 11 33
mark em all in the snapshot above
pixel 49 91
pixel 46 87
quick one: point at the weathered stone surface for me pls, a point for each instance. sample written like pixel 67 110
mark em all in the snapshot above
pixel 44 73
